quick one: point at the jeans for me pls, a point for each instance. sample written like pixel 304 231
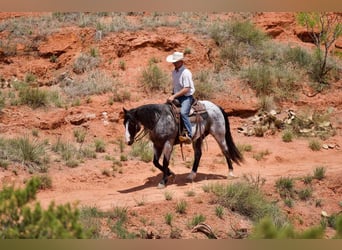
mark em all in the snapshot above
pixel 186 102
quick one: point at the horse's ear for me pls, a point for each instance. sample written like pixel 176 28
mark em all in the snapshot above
pixel 122 113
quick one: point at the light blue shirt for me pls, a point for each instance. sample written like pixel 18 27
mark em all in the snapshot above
pixel 182 78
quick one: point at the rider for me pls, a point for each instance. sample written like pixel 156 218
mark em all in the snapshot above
pixel 183 90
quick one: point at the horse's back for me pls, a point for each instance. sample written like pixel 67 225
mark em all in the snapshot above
pixel 210 106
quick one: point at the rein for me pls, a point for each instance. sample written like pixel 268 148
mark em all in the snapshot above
pixel 142 133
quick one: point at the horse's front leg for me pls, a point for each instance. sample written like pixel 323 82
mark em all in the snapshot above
pixel 167 173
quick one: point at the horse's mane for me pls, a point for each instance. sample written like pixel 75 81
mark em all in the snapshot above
pixel 149 114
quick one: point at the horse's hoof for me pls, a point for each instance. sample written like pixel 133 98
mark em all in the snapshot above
pixel 161 186
pixel 172 178
pixel 232 176
pixel 191 176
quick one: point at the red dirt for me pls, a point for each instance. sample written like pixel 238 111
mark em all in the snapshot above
pixel 135 188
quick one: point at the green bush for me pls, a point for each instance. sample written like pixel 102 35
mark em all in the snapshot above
pixel 100 146
pixel 80 135
pixel 207 84
pixel 246 32
pixel 86 62
pixel 168 218
pixel 94 83
pixel 246 199
pixel 319 173
pixel 266 229
pixel 34 97
pixel 197 219
pixel 153 78
pixel 260 79
pixel 21 220
pixel 284 186
pixel 287 136
pixel 143 150
pixel 181 207
pixel 298 56
pixel 32 153
pixel 2 101
pixel 315 145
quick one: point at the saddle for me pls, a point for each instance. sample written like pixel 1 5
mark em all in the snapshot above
pixel 196 115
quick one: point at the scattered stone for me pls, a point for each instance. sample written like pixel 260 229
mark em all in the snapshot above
pixel 79 119
pixel 324 214
pixel 268 123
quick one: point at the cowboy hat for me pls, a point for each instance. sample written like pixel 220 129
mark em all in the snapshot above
pixel 175 57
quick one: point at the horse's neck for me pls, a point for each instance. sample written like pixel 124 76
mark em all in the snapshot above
pixel 148 115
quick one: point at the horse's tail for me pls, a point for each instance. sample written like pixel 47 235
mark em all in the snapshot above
pixel 234 152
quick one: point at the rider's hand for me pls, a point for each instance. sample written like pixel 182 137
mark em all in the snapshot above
pixel 170 99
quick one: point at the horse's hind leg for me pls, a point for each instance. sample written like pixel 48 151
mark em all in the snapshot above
pixel 197 146
pixel 224 148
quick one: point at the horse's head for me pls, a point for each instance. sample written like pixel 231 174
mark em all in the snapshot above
pixel 132 126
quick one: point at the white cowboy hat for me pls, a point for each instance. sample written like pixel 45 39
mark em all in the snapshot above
pixel 175 57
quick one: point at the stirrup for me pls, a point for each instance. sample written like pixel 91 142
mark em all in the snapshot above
pixel 185 139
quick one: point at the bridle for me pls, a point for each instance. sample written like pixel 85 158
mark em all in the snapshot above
pixel 142 133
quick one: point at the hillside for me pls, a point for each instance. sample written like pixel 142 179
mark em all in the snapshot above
pixel 39 51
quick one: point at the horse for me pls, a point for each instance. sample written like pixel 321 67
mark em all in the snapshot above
pixel 159 122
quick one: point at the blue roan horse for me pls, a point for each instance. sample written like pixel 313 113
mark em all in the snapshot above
pixel 158 121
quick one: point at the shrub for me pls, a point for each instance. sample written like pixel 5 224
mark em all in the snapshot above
pixel 197 219
pixel 266 103
pixel 45 181
pixel 95 82
pixel 219 210
pixel 315 145
pixel 31 152
pixel 307 179
pixel 90 218
pixel 2 101
pixel 207 83
pixel 305 193
pixel 21 220
pixel 266 229
pixel 287 136
pixel 143 150
pixel 246 199
pixel 80 135
pixel 153 78
pixel 285 186
pixel 85 62
pixel 100 146
pixel 246 32
pixel 34 97
pixel 120 216
pixel 298 56
pixel 122 65
pixel 168 195
pixel 288 202
pixel 120 96
pixel 319 173
pixel 260 79
pixel 181 207
pixel 261 155
pixel 168 218
pixel 244 148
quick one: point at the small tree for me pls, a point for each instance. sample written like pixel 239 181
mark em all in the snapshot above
pixel 20 220
pixel 324 29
